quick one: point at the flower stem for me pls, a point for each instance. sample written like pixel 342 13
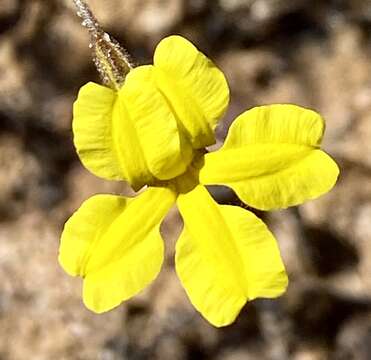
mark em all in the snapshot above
pixel 110 58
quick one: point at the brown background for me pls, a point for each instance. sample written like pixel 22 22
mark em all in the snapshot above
pixel 312 53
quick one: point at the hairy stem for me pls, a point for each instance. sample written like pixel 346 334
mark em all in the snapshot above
pixel 89 20
pixel 111 59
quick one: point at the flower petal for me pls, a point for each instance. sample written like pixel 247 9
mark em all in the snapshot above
pixel 196 89
pixel 270 167
pixel 92 122
pixel 166 151
pixel 130 135
pixel 84 227
pixel 276 124
pixel 115 244
pixel 225 256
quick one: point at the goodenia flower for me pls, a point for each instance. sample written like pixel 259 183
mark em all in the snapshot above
pixel 153 132
pixel 148 129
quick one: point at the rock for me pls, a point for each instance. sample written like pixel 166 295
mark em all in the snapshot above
pixel 258 77
pixel 143 21
pixel 339 94
pixel 8 7
pixel 351 225
pixel 353 341
pixel 42 315
pixel 15 97
pixel 260 18
pixel 19 177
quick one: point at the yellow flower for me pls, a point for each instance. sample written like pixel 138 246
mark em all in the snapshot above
pixel 152 132
pixel 147 130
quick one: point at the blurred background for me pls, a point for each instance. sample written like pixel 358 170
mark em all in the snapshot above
pixel 312 53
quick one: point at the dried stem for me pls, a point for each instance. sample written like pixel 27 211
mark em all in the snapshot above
pixel 111 59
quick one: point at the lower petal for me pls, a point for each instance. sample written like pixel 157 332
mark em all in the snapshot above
pixel 123 278
pixel 225 256
pixel 115 244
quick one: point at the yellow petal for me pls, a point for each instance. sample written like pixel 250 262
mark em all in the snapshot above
pixel 166 151
pixel 132 135
pixel 83 228
pixel 115 244
pixel 276 124
pixel 225 256
pixel 196 89
pixel 270 167
pixel 92 123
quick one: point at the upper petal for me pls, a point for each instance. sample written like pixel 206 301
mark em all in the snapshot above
pixel 131 135
pixel 165 149
pixel 115 244
pixel 148 129
pixel 225 256
pixel 195 88
pixel 92 128
pixel 271 167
